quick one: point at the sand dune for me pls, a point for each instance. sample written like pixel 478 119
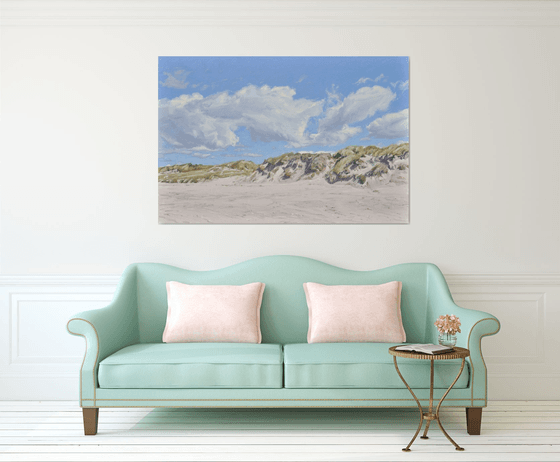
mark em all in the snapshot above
pixel 226 201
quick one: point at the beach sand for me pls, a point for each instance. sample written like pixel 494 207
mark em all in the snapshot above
pixel 225 201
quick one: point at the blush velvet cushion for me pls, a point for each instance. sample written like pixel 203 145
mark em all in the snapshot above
pixel 365 313
pixel 213 313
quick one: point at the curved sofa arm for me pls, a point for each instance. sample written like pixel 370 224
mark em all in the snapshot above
pixel 474 326
pixel 106 330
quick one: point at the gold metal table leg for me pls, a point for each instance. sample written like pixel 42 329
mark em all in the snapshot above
pixel 431 407
pixel 417 402
pixel 429 416
pixel 457 447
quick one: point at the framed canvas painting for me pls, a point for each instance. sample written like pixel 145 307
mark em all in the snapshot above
pixel 283 140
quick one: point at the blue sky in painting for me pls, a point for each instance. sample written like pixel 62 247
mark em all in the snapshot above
pixel 218 109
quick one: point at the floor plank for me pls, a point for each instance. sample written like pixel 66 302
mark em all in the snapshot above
pixel 440 446
pixel 287 457
pixel 52 431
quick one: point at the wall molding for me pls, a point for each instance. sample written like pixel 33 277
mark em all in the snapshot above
pixel 504 279
pixel 58 280
pixel 534 333
pixel 279 13
pixel 14 314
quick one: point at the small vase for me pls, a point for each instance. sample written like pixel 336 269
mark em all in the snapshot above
pixel 448 340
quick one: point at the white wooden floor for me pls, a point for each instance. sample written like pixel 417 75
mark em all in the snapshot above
pixel 52 431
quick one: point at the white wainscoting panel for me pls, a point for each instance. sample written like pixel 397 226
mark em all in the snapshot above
pixel 522 359
pixel 39 360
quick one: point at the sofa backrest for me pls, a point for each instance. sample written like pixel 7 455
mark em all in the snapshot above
pixel 284 314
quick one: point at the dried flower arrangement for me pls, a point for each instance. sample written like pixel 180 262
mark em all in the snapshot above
pixel 448 324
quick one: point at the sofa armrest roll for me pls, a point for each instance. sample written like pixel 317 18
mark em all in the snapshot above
pixel 475 325
pixel 106 330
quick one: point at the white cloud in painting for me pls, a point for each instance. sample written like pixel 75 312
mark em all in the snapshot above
pixel 268 113
pixel 201 155
pixel 242 155
pixel 163 150
pixel 197 123
pixel 335 127
pixel 400 85
pixel 362 81
pixel 176 80
pixel 332 137
pixel 394 125
pixel 184 124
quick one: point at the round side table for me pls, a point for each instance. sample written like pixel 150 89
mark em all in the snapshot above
pixel 430 415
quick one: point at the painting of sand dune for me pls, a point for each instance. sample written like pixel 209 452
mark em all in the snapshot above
pixel 283 140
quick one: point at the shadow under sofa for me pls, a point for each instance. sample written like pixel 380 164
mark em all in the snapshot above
pixel 127 365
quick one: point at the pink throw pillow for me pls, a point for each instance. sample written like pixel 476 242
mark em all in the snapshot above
pixel 213 313
pixel 354 313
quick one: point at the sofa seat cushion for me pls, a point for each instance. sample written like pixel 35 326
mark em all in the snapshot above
pixel 362 365
pixel 193 365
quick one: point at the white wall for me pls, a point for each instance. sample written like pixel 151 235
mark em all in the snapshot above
pixel 78 140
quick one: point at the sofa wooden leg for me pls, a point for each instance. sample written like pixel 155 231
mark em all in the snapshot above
pixel 91 416
pixel 474 419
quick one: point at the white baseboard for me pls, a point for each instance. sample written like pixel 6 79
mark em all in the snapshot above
pixel 39 360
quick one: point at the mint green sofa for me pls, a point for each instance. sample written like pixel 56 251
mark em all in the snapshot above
pixel 127 365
